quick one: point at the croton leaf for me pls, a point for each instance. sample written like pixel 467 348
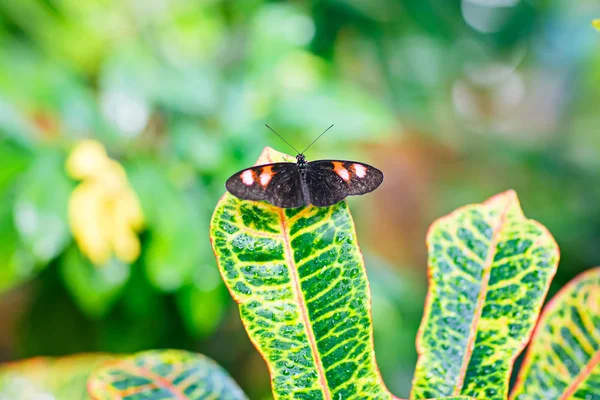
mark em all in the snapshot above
pixel 49 378
pixel 163 374
pixel 489 268
pixel 299 278
pixel 563 360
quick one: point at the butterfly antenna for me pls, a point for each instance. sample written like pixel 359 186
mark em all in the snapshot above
pixel 282 138
pixel 317 138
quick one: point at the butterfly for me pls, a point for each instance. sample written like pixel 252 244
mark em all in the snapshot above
pixel 296 184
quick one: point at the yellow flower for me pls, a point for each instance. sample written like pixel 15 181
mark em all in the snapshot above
pixel 596 23
pixel 104 212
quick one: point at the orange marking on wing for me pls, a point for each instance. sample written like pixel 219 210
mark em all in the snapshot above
pixel 339 169
pixel 266 174
pixel 247 177
pixel 360 170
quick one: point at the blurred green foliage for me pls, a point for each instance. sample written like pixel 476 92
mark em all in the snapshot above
pixel 454 100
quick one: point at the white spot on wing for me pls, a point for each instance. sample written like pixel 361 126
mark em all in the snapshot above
pixel 361 170
pixel 343 173
pixel 247 177
pixel 265 178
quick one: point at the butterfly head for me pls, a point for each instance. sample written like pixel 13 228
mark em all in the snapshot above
pixel 300 159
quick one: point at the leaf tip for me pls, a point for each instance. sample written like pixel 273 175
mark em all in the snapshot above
pixel 505 199
pixel 270 155
pixel 500 200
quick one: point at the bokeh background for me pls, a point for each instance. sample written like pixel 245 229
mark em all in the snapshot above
pixel 454 100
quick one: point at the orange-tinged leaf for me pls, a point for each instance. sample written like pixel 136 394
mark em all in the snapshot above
pixel 563 360
pixel 165 375
pixel 489 268
pixel 49 378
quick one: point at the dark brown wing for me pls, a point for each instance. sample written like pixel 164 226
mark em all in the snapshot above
pixel 331 181
pixel 278 184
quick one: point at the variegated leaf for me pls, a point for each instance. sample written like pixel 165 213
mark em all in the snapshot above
pixel 61 378
pixel 299 278
pixel 490 268
pixel 163 374
pixel 563 360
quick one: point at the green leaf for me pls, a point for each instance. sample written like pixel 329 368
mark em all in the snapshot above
pixel 49 378
pixel 94 288
pixel 299 278
pixel 163 374
pixel 490 268
pixel 15 159
pixel 18 264
pixel 563 359
pixel 177 242
pixel 202 307
pixel 40 218
pixel 14 125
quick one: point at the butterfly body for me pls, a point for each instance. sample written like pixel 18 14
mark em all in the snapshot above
pixel 290 185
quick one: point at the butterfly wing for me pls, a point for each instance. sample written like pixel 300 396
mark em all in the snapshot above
pixel 331 181
pixel 278 184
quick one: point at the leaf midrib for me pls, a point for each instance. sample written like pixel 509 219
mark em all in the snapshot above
pixel 302 304
pixel 160 381
pixel 481 299
pixel 585 372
